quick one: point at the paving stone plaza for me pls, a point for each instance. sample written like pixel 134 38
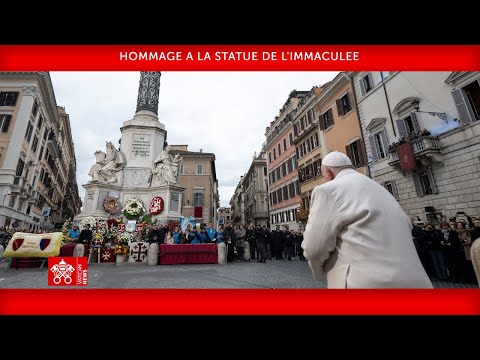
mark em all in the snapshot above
pixel 243 275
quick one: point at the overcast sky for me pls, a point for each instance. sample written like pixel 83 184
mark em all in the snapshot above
pixel 224 113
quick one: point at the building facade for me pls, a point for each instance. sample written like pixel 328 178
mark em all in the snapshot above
pixel 283 186
pixel 306 137
pixel 37 159
pixel 224 216
pixel 436 114
pixel 198 175
pixel 237 204
pixel 256 192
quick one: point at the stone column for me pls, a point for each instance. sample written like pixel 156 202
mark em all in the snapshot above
pixel 148 91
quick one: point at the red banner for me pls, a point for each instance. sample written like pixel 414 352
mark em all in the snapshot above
pixel 57 301
pixel 406 157
pixel 239 57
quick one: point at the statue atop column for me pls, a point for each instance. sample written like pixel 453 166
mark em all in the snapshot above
pixel 108 165
pixel 165 168
pixel 148 91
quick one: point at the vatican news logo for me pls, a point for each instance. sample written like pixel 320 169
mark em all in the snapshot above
pixel 67 271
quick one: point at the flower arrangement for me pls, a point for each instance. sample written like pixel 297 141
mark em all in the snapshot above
pixel 125 238
pixel 88 220
pixel 133 208
pixel 156 205
pixel 111 204
pixel 121 249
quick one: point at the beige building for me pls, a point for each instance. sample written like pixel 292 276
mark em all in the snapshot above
pixel 339 121
pixel 284 190
pixel 306 137
pixel 37 159
pixel 401 105
pixel 224 216
pixel 197 174
pixel 255 184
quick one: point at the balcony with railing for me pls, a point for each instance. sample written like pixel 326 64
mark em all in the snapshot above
pixel 425 149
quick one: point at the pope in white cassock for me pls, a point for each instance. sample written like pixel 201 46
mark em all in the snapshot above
pixel 357 234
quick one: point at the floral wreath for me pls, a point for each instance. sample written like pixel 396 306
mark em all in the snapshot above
pixel 156 205
pixel 133 208
pixel 111 204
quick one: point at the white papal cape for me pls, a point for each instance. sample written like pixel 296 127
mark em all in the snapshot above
pixel 359 236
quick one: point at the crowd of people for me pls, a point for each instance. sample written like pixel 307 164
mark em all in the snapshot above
pixel 260 243
pixel 444 247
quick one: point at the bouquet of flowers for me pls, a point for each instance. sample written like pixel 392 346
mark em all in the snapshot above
pixel 125 238
pixel 88 220
pixel 133 208
pixel 121 249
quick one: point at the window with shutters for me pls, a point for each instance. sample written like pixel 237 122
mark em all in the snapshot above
pixel 8 98
pixel 424 182
pixel 285 144
pixel 366 84
pixel 274 154
pixel 301 175
pixel 180 169
pixel 300 151
pixel 314 141
pixel 200 169
pixel 279 149
pixel 391 187
pixel 304 122
pixel 296 129
pixel 290 138
pixel 327 119
pixel 311 116
pixel 307 146
pixel 378 145
pixel 472 93
pixel 356 154
pixel 408 126
pixel 5 122
pixel 343 105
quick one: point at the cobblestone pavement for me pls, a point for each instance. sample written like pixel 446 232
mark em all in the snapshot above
pixel 274 274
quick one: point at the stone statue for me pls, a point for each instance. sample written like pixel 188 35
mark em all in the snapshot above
pixel 99 158
pixel 108 165
pixel 166 167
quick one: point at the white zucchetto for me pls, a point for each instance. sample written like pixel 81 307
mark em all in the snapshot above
pixel 336 159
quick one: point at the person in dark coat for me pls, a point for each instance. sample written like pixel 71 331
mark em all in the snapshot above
pixel 85 236
pixel 230 241
pixel 156 235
